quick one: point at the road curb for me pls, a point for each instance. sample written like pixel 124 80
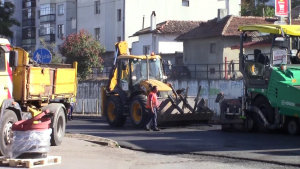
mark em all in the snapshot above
pixel 94 139
pixel 212 155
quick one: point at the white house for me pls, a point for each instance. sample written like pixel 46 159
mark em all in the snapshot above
pixel 111 21
pixel 163 38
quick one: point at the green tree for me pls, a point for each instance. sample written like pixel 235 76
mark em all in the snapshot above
pixel 248 8
pixel 56 56
pixel 295 3
pixel 84 49
pixel 6 21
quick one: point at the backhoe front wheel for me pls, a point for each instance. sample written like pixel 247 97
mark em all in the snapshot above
pixel 138 112
pixel 114 112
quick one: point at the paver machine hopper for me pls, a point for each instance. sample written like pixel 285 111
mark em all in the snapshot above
pixel 130 81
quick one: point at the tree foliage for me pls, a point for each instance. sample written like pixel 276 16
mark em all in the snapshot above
pixel 84 49
pixel 249 8
pixel 6 21
pixel 295 3
pixel 56 56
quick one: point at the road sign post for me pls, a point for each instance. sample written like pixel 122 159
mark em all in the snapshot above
pixel 42 55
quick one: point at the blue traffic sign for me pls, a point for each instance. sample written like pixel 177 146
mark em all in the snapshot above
pixel 42 55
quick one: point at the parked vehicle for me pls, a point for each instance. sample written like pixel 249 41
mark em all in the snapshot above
pixel 28 88
pixel 177 71
pixel 180 71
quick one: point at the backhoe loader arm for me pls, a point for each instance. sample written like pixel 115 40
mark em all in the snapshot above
pixel 121 49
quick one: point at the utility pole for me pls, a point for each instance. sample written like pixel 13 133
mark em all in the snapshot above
pixel 290 23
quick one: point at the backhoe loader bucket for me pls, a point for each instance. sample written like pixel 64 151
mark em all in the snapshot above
pixel 182 109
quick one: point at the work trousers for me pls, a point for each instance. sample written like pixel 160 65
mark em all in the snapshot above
pixel 151 118
pixel 70 115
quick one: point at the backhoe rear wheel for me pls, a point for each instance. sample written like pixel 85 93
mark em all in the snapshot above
pixel 267 110
pixel 138 110
pixel 114 112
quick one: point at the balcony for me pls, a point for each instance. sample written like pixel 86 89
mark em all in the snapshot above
pixel 28 23
pixel 29 3
pixel 28 41
pixel 47 18
pixel 48 37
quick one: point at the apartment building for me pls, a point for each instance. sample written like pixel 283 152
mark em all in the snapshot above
pixel 55 20
pixel 48 19
pixel 113 20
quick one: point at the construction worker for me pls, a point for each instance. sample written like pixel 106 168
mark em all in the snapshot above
pixel 71 109
pixel 152 107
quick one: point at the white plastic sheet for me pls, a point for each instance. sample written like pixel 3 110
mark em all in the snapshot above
pixel 30 141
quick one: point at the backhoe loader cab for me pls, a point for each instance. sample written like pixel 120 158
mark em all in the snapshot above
pixel 130 82
pixel 271 83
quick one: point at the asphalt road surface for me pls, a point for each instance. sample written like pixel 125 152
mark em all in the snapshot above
pixel 196 140
pixel 79 154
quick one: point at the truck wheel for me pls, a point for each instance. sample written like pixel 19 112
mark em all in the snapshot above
pixel 292 126
pixel 114 113
pixel 138 110
pixel 267 110
pixel 8 119
pixel 59 128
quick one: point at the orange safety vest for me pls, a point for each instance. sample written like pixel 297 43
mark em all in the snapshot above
pixel 154 100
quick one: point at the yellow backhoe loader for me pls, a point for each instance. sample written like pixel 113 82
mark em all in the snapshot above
pixel 130 80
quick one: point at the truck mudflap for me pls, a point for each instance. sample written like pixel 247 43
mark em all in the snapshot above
pixel 183 109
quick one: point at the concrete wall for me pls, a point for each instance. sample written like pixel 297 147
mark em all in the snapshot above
pixel 89 93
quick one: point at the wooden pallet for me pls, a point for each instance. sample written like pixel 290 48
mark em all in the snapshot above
pixel 30 163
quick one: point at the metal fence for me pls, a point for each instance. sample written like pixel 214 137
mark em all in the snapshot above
pixel 100 73
pixel 226 70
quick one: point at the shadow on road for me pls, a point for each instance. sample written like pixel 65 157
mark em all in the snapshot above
pixel 188 139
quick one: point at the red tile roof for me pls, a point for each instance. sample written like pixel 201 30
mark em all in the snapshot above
pixel 228 26
pixel 254 44
pixel 171 26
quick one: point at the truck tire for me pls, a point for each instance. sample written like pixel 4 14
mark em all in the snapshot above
pixel 59 128
pixel 292 126
pixel 267 110
pixel 138 111
pixel 114 114
pixel 8 119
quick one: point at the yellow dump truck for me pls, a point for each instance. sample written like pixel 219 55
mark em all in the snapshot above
pixel 27 88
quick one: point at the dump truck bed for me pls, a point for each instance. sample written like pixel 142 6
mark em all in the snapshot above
pixel 43 81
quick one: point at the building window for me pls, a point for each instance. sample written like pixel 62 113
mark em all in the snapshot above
pixel 119 14
pixel 119 39
pixel 39 14
pixel 97 34
pixel 185 3
pixel 212 48
pixel 28 33
pixel 97 7
pixel 47 28
pixel 146 50
pixel 28 14
pixel 47 9
pixel 60 31
pixel 61 9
